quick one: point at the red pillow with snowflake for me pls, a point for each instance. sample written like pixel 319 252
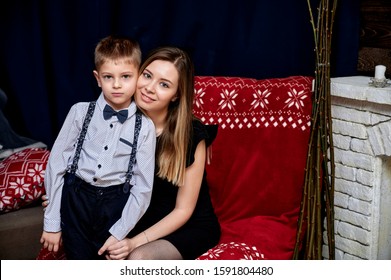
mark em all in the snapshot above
pixel 21 178
pixel 232 251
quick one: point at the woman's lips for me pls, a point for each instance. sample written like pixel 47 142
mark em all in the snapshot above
pixel 146 98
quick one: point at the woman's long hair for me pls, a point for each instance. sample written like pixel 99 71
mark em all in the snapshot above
pixel 175 138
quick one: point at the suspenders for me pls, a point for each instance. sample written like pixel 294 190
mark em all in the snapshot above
pixel 132 160
pixel 82 136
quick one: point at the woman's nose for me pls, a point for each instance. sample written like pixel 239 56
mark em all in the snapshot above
pixel 149 87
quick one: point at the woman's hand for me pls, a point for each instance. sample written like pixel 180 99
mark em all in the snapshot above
pixel 45 201
pixel 118 250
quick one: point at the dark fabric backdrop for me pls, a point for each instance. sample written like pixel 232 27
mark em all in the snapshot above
pixel 46 49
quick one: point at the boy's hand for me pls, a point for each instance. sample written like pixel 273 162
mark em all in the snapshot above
pixel 51 240
pixel 110 241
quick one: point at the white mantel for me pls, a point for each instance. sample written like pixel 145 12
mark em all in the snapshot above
pixel 362 149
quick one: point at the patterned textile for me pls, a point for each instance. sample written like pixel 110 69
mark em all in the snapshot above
pixel 239 103
pixel 232 251
pixel 21 178
pixel 45 254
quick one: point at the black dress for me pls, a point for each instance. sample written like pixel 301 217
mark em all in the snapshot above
pixel 202 231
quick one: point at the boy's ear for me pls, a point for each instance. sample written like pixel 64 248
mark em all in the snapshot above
pixel 96 75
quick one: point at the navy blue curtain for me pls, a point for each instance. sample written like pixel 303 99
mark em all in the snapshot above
pixel 46 47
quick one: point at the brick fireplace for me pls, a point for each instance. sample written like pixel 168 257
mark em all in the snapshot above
pixel 362 150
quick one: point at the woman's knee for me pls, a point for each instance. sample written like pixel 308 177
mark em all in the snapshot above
pixel 139 254
pixel 156 250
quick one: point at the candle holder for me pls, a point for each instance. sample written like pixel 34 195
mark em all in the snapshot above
pixel 379 83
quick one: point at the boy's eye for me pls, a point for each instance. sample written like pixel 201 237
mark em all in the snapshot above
pixel 106 77
pixel 126 76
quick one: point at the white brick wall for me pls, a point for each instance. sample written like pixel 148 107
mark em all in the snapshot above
pixel 362 148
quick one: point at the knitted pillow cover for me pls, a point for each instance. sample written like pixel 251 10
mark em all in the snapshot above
pixel 22 178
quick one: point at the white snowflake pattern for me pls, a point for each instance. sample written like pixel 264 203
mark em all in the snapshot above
pixel 260 99
pixel 20 186
pixel 37 192
pixel 227 99
pixel 239 251
pixel 198 95
pixel 4 200
pixel 36 173
pixel 28 197
pixel 296 99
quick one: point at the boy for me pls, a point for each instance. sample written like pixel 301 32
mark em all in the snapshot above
pixel 97 185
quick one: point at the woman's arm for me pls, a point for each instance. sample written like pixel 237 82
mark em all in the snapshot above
pixel 185 202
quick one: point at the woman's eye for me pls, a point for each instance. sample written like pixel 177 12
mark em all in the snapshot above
pixel 147 75
pixel 165 85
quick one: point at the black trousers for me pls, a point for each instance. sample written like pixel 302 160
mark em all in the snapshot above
pixel 87 214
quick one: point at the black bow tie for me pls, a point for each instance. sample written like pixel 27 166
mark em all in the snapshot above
pixel 108 112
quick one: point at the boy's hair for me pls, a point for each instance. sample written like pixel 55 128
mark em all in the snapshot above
pixel 114 48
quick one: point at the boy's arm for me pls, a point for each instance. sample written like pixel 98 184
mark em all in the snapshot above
pixel 140 194
pixel 60 153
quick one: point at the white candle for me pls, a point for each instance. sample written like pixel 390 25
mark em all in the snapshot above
pixel 380 70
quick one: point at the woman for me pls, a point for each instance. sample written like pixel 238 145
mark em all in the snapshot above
pixel 180 222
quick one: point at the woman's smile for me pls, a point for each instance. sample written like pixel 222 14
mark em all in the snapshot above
pixel 146 98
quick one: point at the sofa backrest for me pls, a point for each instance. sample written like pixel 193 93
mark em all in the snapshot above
pixel 259 154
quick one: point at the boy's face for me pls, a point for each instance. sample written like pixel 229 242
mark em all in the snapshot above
pixel 118 81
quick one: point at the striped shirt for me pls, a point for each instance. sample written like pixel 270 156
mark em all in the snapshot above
pixel 103 162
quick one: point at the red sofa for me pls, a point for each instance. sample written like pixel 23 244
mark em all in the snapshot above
pixel 257 166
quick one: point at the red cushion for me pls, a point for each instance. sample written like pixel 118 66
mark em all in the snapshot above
pixel 22 178
pixel 258 160
pixel 45 254
pixel 232 251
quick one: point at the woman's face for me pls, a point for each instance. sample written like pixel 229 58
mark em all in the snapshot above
pixel 156 87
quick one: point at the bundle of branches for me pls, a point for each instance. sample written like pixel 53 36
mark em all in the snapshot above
pixel 318 193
